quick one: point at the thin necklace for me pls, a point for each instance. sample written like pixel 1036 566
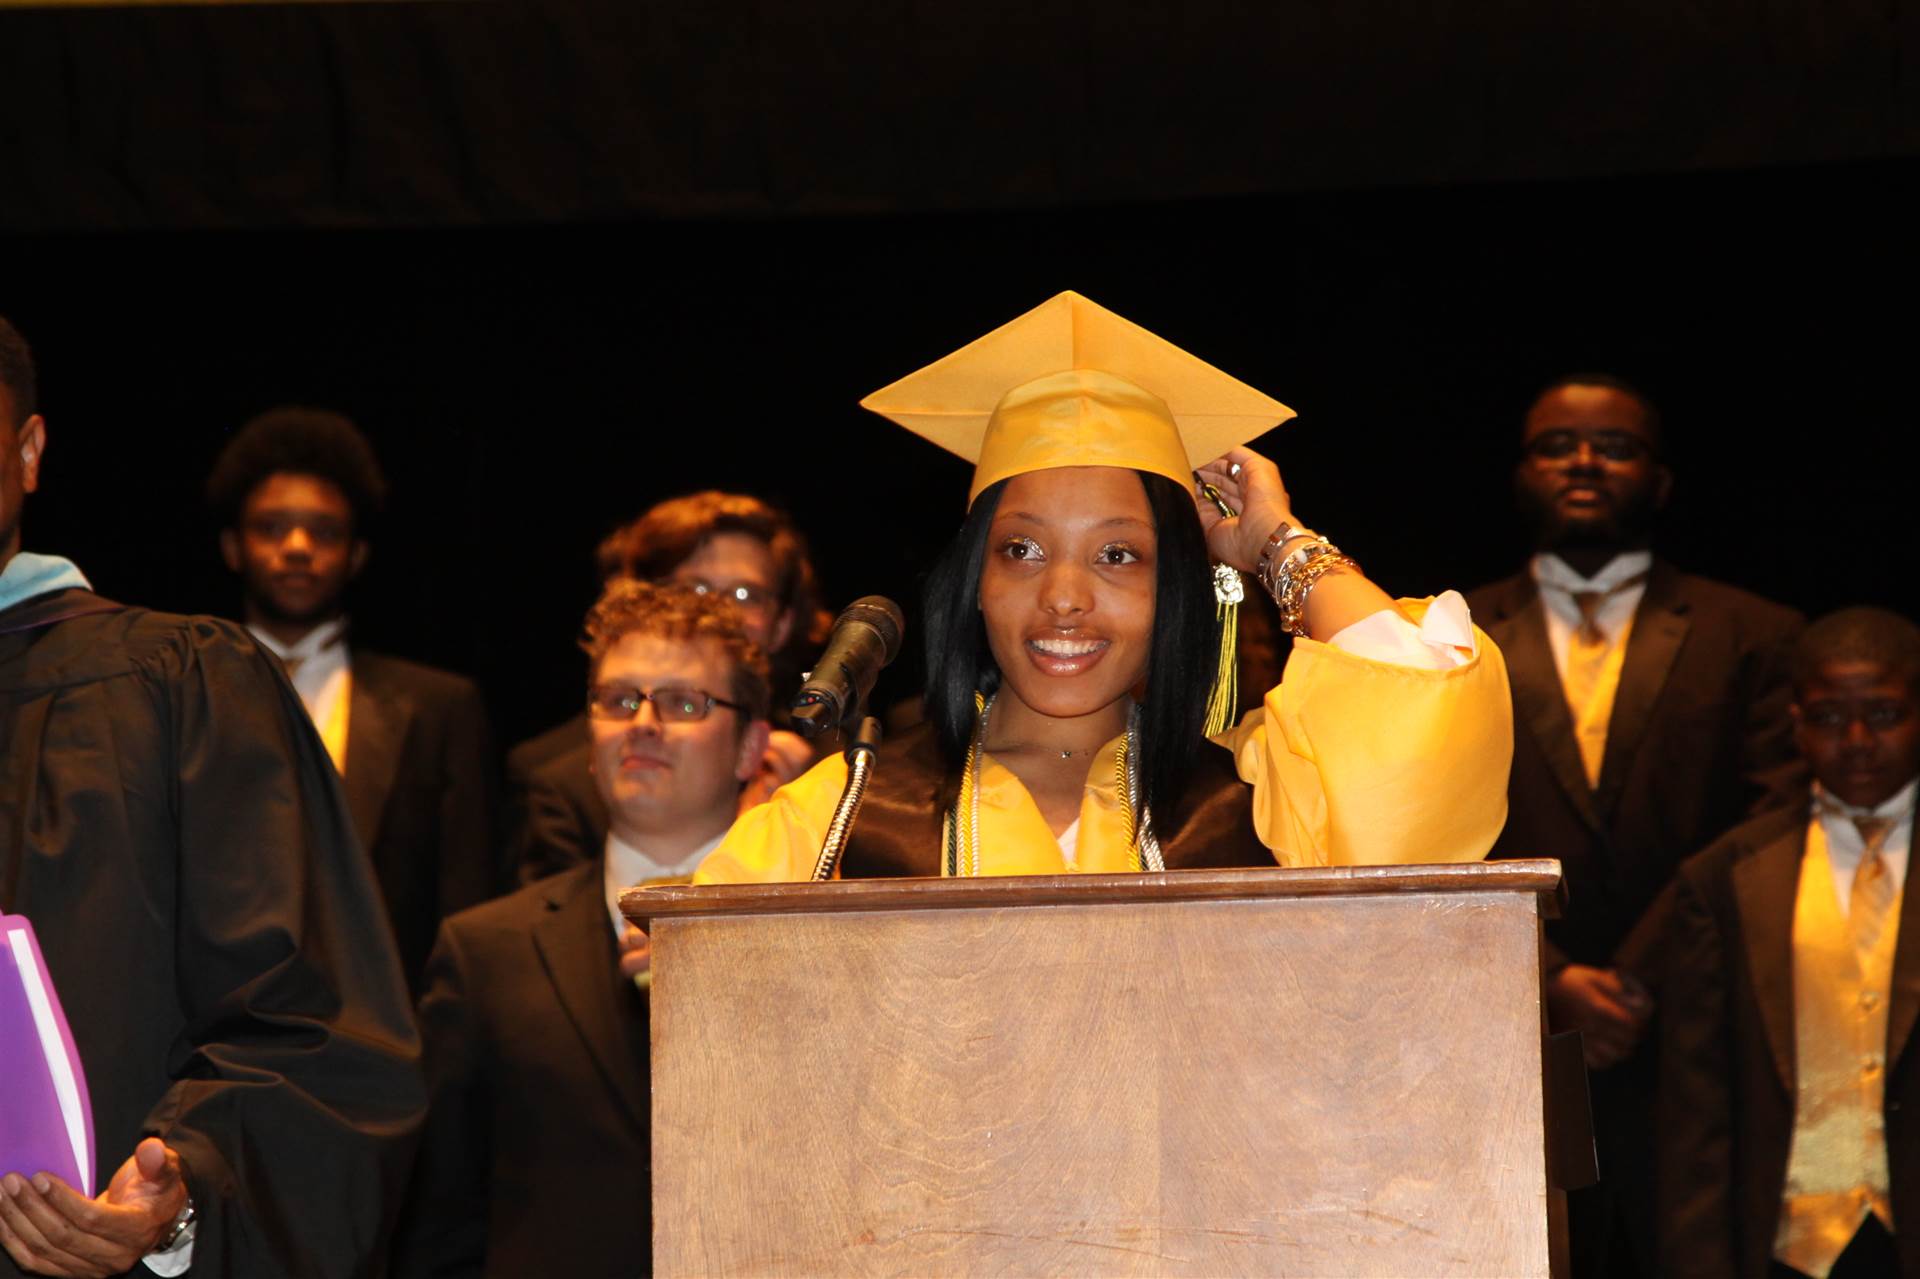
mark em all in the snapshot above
pixel 1142 845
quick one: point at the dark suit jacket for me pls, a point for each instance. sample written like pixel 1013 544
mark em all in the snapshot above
pixel 1727 1060
pixel 1699 738
pixel 537 1156
pixel 420 786
pixel 555 816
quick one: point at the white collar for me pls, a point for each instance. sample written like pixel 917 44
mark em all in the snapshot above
pixel 310 645
pixel 1554 573
pixel 1898 806
pixel 624 866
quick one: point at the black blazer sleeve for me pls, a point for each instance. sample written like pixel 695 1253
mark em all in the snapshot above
pixel 443 1231
pixel 1694 1133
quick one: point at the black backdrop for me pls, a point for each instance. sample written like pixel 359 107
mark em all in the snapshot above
pixel 436 113
pixel 529 387
pixel 563 260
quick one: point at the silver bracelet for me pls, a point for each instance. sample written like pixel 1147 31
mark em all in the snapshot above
pixel 1266 571
pixel 1297 580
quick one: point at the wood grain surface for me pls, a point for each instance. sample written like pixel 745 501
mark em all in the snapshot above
pixel 1285 1085
pixel 1540 876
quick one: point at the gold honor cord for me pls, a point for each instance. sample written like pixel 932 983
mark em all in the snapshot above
pixel 960 828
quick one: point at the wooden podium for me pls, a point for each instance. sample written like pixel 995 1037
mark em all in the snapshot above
pixel 1263 1072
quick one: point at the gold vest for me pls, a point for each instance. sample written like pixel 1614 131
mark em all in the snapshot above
pixel 333 733
pixel 1592 682
pixel 1837 1172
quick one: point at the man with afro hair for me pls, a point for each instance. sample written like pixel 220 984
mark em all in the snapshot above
pixel 296 492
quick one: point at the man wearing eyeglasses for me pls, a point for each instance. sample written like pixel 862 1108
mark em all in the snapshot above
pixel 1651 714
pixel 732 547
pixel 537 1154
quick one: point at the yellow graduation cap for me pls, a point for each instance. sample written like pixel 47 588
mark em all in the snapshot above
pixel 1072 384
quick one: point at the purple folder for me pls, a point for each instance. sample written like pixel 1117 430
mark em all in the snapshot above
pixel 46 1123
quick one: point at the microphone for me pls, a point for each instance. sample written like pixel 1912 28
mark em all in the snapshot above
pixel 866 636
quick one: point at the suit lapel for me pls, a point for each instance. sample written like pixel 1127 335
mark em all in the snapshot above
pixel 1659 628
pixel 1766 886
pixel 573 943
pixel 1903 1002
pixel 377 720
pixel 1539 701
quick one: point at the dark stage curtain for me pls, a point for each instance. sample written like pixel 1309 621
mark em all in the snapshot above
pixel 462 113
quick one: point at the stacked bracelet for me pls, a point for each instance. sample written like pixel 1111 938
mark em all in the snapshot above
pixel 1297 581
pixel 1266 571
pixel 1291 578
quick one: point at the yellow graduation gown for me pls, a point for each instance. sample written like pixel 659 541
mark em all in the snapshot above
pixel 1351 761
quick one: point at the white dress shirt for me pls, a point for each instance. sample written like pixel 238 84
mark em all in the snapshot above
pixel 319 666
pixel 1845 847
pixel 1558 584
pixel 626 866
pixel 1443 639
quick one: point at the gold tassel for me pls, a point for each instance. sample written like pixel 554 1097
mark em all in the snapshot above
pixel 1227 594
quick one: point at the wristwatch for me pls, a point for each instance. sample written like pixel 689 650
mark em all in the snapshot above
pixel 182 1222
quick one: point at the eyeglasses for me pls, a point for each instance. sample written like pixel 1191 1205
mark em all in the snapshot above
pixel 745 595
pixel 1877 716
pixel 1612 446
pixel 673 704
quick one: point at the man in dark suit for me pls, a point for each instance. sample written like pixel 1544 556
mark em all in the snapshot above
pixel 295 491
pixel 732 546
pixel 537 1156
pixel 1650 716
pixel 1788 1098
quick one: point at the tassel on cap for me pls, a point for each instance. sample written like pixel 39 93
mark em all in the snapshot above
pixel 1228 591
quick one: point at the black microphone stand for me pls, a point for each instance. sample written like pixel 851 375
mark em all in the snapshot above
pixel 860 756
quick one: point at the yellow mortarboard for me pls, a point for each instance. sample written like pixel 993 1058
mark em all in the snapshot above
pixel 1072 384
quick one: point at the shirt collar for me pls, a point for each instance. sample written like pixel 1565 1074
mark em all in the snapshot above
pixel 312 644
pixel 1554 573
pixel 1898 806
pixel 626 865
pixel 28 575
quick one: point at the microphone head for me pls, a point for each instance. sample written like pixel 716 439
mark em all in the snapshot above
pixel 813 715
pixel 883 615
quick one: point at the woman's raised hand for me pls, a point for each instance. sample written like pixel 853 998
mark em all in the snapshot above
pixel 1251 485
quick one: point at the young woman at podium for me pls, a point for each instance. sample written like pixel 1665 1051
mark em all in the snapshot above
pixel 1079 632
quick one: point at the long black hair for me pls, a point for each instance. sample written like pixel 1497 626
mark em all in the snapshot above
pixel 1180 669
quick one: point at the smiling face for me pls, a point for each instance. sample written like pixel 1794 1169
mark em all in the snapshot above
pixel 295 549
pixel 1067 588
pixel 1590 477
pixel 1858 725
pixel 679 781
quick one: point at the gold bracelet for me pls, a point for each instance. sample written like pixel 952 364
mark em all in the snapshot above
pixel 1272 573
pixel 1300 580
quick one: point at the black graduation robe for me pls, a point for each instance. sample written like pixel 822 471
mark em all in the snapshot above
pixel 173 827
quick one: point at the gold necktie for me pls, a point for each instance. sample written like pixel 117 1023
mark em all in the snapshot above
pixel 1873 892
pixel 1593 677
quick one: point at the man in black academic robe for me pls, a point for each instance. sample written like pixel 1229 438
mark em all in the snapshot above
pixel 173 829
